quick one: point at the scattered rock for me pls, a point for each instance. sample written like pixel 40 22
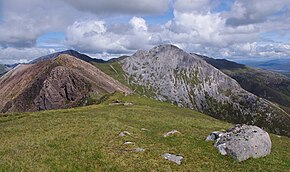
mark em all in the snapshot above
pixel 124 133
pixel 117 102
pixel 174 158
pixel 128 104
pixel 139 150
pixel 242 142
pixel 171 133
pixel 144 129
pixel 128 143
pixel 213 136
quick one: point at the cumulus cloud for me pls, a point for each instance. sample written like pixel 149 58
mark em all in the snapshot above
pixel 23 21
pixel 94 36
pixel 244 12
pixel 22 55
pixel 196 26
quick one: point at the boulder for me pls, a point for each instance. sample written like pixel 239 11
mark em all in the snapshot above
pixel 173 158
pixel 124 133
pixel 242 142
pixel 170 133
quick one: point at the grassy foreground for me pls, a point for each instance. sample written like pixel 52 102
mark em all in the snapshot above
pixel 86 139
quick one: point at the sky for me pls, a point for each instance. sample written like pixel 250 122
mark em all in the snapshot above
pixel 230 29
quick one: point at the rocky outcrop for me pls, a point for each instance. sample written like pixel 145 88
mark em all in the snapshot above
pixel 60 82
pixel 167 73
pixel 242 142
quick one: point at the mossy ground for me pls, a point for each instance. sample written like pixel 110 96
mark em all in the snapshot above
pixel 85 139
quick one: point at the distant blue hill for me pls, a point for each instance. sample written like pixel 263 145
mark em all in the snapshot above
pixel 69 52
pixel 279 65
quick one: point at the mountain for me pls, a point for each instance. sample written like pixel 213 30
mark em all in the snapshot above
pixel 279 65
pixel 71 53
pixel 167 73
pixel 3 69
pixel 61 82
pixel 263 83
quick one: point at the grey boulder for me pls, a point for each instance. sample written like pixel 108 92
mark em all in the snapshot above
pixel 242 142
pixel 173 158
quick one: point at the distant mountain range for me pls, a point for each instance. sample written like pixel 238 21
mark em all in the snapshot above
pixel 165 73
pixel 73 53
pixel 278 65
pixel 3 69
pixel 263 83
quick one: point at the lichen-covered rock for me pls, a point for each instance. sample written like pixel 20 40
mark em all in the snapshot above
pixel 244 141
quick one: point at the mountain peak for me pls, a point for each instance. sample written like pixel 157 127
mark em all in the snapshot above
pixel 168 73
pixel 61 82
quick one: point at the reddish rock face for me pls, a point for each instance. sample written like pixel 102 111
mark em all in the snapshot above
pixel 62 82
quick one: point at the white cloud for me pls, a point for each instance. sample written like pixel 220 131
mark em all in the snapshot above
pixel 138 24
pixel 23 21
pixel 93 36
pixel 115 27
pixel 22 55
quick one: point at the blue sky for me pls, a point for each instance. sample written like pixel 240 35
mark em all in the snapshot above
pixel 231 29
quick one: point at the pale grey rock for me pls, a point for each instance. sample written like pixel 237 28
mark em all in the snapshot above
pixel 144 129
pixel 174 158
pixel 171 133
pixel 128 143
pixel 167 73
pixel 139 150
pixel 222 149
pixel 244 141
pixel 124 133
pixel 213 136
pixel 128 104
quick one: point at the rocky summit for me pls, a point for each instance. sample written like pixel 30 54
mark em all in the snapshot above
pixel 61 82
pixel 242 142
pixel 167 73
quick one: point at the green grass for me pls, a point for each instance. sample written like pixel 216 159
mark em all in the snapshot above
pixel 85 139
pixel 113 69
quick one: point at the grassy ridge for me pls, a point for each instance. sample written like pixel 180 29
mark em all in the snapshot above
pixel 85 139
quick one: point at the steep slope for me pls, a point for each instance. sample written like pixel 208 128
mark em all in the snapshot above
pixel 68 52
pixel 167 73
pixel 61 82
pixel 263 83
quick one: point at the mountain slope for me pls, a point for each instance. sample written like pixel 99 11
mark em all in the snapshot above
pixel 167 73
pixel 85 139
pixel 61 82
pixel 3 69
pixel 263 83
pixel 278 65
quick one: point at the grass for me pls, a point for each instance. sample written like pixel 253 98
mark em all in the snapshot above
pixel 113 69
pixel 85 139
